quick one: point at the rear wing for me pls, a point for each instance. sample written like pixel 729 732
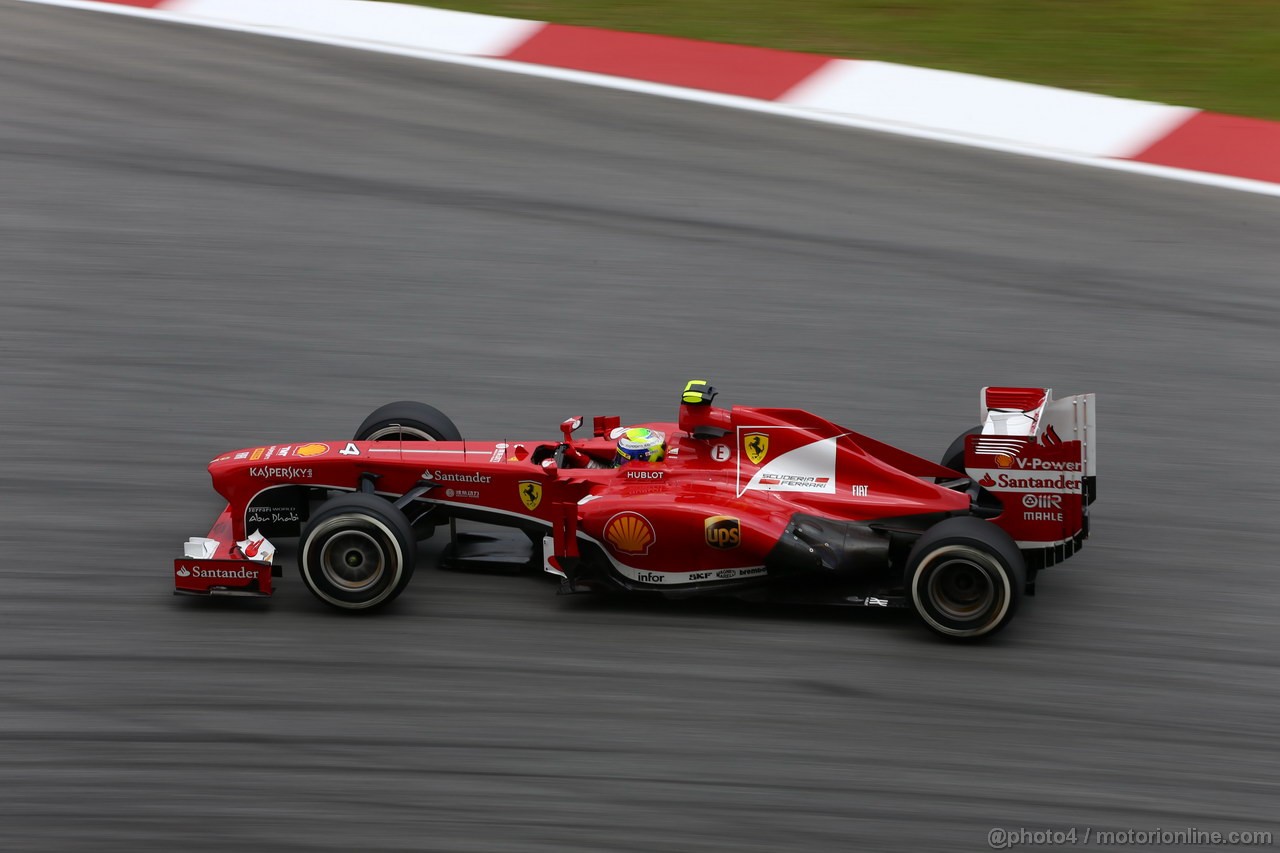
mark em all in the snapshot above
pixel 1039 457
pixel 1032 412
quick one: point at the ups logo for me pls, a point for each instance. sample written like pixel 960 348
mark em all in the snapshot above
pixel 723 531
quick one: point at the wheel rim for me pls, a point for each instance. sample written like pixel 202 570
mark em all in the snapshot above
pixel 404 433
pixel 961 591
pixel 961 588
pixel 352 560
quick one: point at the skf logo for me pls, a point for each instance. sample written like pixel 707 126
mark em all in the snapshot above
pixel 311 450
pixel 629 533
pixel 723 531
pixel 1004 460
pixel 757 446
pixel 530 494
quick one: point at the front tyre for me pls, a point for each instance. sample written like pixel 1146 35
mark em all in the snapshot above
pixel 965 577
pixel 357 552
pixel 408 420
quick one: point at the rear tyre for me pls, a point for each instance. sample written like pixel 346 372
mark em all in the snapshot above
pixel 966 578
pixel 357 552
pixel 953 458
pixel 411 421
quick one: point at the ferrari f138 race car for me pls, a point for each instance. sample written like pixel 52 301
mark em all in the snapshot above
pixel 758 503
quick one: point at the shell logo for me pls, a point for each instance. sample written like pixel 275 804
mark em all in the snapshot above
pixel 311 449
pixel 629 533
pixel 1004 460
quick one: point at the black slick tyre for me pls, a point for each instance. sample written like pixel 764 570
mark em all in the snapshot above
pixel 407 421
pixel 357 552
pixel 965 577
pixel 953 458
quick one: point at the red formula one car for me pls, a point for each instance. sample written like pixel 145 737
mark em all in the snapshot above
pixel 758 503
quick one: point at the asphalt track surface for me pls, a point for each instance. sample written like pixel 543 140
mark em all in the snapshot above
pixel 214 240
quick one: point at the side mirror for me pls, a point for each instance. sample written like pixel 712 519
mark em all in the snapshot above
pixel 569 425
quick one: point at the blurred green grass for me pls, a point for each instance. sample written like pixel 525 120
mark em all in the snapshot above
pixel 1222 55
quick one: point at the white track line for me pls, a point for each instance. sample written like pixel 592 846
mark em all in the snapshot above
pixel 695 95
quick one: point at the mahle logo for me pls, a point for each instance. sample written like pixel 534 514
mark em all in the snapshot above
pixel 757 446
pixel 723 531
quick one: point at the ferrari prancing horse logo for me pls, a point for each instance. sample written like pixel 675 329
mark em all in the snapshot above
pixel 757 445
pixel 531 494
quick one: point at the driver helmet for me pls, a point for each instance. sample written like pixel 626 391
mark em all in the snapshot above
pixel 640 444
